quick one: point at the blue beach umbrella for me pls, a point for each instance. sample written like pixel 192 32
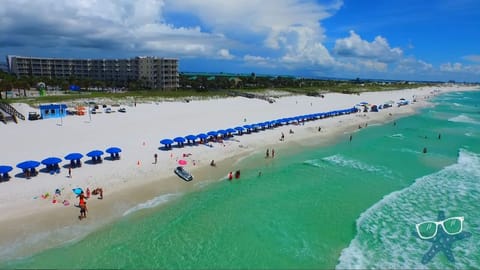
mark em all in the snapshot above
pixel 113 150
pixel 202 136
pixel 212 133
pixel 5 169
pixel 222 131
pixel 179 139
pixel 231 130
pixel 29 164
pixel 239 128
pixel 166 141
pixel 73 156
pixel 191 137
pixel 95 153
pixel 51 161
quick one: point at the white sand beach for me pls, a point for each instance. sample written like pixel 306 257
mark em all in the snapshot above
pixel 135 179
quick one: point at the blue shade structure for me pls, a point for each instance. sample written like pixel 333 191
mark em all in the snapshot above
pixel 51 161
pixel 114 152
pixel 4 170
pixel 73 156
pixel 52 164
pixel 96 156
pixel 29 164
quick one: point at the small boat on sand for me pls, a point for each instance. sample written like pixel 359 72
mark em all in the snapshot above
pixel 182 173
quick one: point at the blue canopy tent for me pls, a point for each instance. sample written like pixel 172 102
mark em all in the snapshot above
pixel 191 137
pixel 28 167
pixel 167 142
pixel 179 140
pixel 96 156
pixel 74 159
pixel 114 152
pixel 52 164
pixel 4 170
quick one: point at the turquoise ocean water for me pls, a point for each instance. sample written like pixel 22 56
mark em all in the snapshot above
pixel 348 205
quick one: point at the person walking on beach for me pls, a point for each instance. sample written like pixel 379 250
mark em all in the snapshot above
pixel 155 156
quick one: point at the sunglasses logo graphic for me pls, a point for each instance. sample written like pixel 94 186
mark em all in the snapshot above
pixel 451 226
pixel 451 230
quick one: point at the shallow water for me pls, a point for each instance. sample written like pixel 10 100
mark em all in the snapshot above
pixel 351 205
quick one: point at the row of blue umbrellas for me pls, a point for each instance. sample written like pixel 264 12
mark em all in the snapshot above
pixel 249 127
pixel 53 161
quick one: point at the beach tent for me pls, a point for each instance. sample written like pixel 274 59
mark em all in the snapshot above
pixel 114 152
pixel 53 111
pixel 96 156
pixel 4 170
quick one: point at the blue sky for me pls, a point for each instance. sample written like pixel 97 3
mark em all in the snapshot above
pixel 407 40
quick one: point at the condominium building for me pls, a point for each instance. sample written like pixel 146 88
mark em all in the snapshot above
pixel 151 72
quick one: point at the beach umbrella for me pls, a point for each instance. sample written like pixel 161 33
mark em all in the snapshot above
pixel 212 133
pixel 231 130
pixel 5 169
pixel 202 136
pixel 179 139
pixel 113 150
pixel 29 164
pixel 95 153
pixel 73 156
pixel 191 137
pixel 239 128
pixel 166 141
pixel 77 191
pixel 222 131
pixel 51 161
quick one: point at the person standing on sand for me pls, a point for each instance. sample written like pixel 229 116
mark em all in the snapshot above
pixel 83 206
pixel 155 156
pixel 70 172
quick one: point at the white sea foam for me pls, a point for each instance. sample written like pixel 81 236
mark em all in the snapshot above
pixel 342 161
pixel 397 136
pixel 152 203
pixel 386 231
pixel 464 119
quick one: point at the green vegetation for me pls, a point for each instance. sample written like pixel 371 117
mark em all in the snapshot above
pixel 198 85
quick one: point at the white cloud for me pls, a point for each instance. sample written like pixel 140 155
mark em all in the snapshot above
pixel 472 58
pixel 258 60
pixel 225 54
pixel 411 66
pixel 449 67
pixel 379 49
